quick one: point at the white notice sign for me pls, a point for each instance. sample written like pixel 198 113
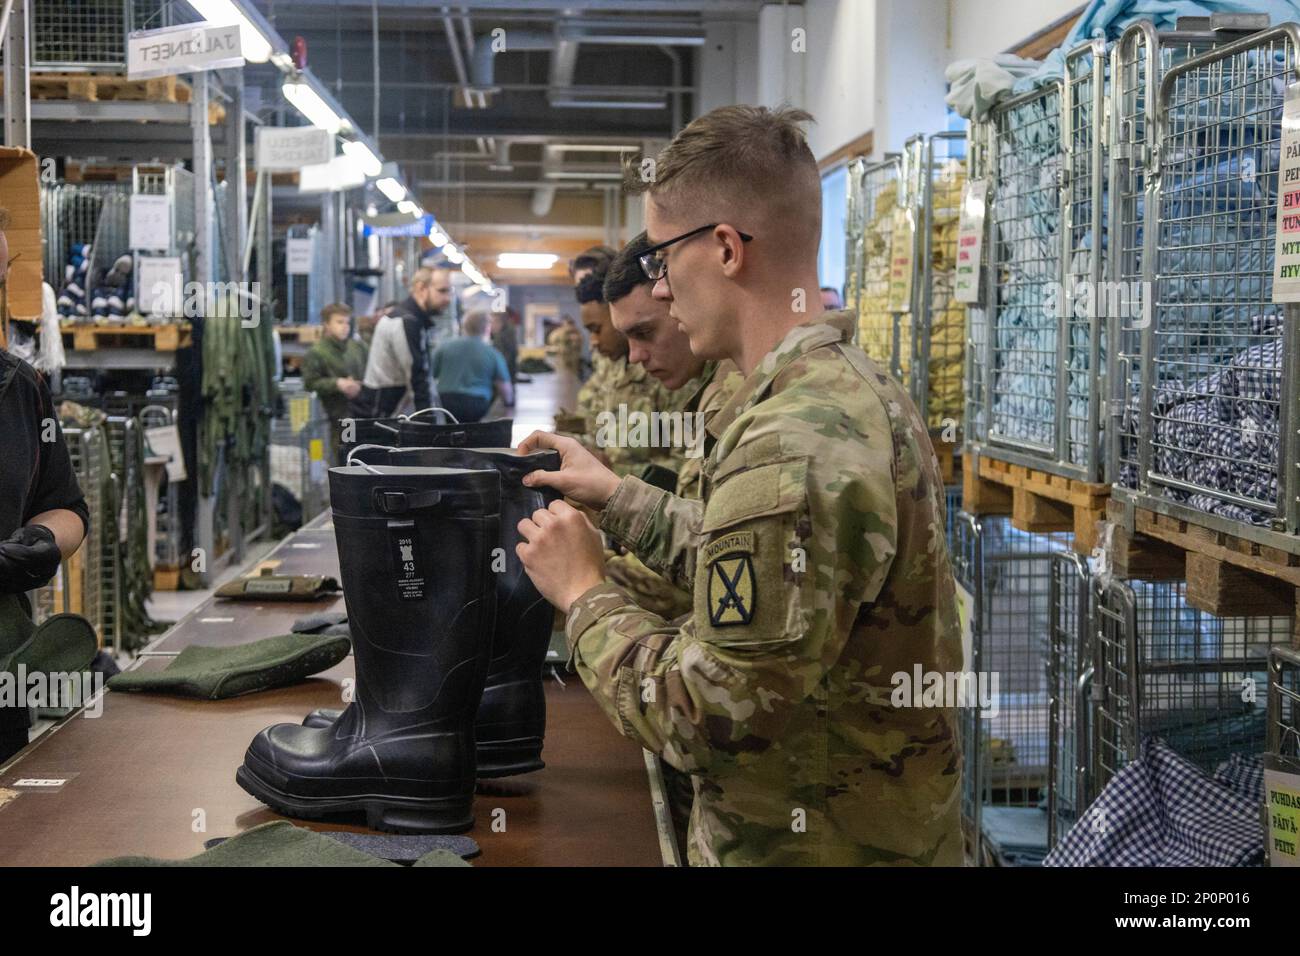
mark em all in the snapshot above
pixel 1286 259
pixel 159 288
pixel 151 222
pixel 165 440
pixel 970 240
pixel 188 48
pixel 297 256
pixel 290 149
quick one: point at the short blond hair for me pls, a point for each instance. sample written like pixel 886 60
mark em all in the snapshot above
pixel 739 161
pixel 475 324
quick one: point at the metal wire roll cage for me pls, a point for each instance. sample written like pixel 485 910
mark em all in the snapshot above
pixel 937 331
pixel 1220 368
pixel 1284 708
pixel 1069 678
pixel 1164 668
pixel 876 192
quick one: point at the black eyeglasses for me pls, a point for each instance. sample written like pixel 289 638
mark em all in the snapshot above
pixel 656 268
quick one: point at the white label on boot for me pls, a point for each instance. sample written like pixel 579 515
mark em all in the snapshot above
pixel 406 561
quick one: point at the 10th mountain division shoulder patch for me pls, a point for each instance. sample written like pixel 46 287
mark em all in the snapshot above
pixel 731 592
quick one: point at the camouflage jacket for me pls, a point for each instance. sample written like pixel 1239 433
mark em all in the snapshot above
pixel 625 425
pixel 819 568
pixel 708 392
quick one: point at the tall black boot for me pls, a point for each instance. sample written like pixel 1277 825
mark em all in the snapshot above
pixel 511 721
pixel 414 551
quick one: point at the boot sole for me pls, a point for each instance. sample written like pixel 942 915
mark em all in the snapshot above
pixel 508 758
pixel 389 814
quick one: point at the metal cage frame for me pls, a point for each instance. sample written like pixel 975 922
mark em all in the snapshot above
pixel 1284 709
pixel 1009 576
pixel 937 188
pixel 877 328
pixel 1157 660
pixel 1069 680
pixel 1026 378
pixel 1171 157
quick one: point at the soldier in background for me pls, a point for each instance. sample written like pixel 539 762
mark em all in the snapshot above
pixel 696 388
pixel 817 557
pixel 611 403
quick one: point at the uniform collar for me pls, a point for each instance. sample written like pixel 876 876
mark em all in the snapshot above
pixel 695 387
pixel 822 330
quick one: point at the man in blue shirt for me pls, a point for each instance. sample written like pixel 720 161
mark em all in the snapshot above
pixel 470 372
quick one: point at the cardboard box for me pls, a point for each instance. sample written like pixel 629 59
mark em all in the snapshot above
pixel 20 195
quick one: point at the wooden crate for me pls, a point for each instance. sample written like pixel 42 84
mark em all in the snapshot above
pixel 1227 575
pixel 1036 500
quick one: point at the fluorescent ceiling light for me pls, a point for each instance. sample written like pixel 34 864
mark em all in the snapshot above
pixel 309 104
pixel 610 104
pixel 438 237
pixel 526 260
pixel 362 153
pixel 453 254
pixel 561 174
pixel 409 206
pixel 256 47
pixel 594 148
pixel 391 188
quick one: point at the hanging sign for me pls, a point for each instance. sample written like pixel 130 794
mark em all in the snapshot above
pixel 289 149
pixel 1286 258
pixel 150 223
pixel 298 256
pixel 1282 805
pixel 970 241
pixel 902 242
pixel 160 287
pixel 408 227
pixel 187 48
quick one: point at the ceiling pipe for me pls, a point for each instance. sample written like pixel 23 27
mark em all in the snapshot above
pixel 458 61
pixel 483 62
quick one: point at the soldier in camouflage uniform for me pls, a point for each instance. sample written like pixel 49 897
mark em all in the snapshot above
pixel 817 556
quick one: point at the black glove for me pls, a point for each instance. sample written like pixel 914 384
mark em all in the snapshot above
pixel 28 559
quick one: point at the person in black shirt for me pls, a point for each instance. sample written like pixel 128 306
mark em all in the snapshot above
pixel 43 515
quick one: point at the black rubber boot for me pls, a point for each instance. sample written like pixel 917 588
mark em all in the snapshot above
pixel 415 433
pixel 423 433
pixel 511 720
pixel 415 555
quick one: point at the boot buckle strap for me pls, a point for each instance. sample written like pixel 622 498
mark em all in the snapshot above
pixel 391 502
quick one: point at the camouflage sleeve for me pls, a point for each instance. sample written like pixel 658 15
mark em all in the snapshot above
pixel 663 530
pixel 768 622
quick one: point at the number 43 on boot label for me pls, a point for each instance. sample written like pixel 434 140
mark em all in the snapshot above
pixel 406 561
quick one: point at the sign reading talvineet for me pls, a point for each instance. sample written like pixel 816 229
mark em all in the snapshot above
pixel 188 48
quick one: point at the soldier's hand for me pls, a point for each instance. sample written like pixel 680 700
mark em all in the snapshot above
pixel 562 553
pixel 581 476
pixel 28 559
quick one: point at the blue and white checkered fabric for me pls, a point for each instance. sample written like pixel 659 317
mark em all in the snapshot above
pixel 1161 810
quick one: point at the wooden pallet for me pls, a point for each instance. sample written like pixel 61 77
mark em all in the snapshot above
pixel 1036 500
pixel 1227 575
pixel 946 453
pixel 306 334
pixel 102 87
pixel 160 338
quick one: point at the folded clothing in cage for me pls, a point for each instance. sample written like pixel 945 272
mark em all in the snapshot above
pixel 1162 810
pixel 1221 431
pixel 875 321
